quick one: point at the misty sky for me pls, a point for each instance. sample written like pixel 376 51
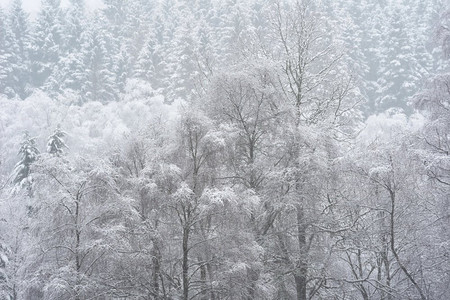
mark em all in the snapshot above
pixel 32 6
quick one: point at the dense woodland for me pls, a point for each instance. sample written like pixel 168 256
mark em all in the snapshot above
pixel 238 149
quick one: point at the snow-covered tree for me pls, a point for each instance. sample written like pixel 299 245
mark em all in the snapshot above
pixel 399 70
pixel 318 95
pixel 246 105
pixel 46 42
pixel 399 218
pixel 19 84
pixel 28 153
pixel 147 60
pixel 67 74
pixel 55 142
pixel 98 79
pixel 74 229
pixel 198 146
pixel 4 253
pixel 73 27
pixel 14 216
pixel 5 53
pixel 255 187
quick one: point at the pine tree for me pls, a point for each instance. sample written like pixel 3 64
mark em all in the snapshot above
pixel 98 83
pixel 156 57
pixel 121 71
pixel 147 59
pixel 67 76
pixel 398 73
pixel 135 29
pixel 235 30
pixel 74 26
pixel 151 65
pixel 4 53
pixel 55 143
pixel 19 79
pixel 128 26
pixel 28 153
pixel 47 41
pixel 181 62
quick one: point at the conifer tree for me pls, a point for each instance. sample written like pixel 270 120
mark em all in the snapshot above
pixel 28 153
pixel 19 83
pixel 55 143
pixel 74 26
pixel 4 55
pixel 67 76
pixel 98 78
pixel 181 62
pixel 398 73
pixel 147 59
pixel 150 64
pixel 47 39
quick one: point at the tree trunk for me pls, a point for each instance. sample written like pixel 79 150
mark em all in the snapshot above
pixel 204 287
pixel 394 251
pixel 156 262
pixel 185 265
pixel 300 273
pixel 387 272
pixel 211 280
pixel 77 246
pixel 300 284
pixel 253 276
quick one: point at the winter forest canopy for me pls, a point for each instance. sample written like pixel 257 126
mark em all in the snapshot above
pixel 238 149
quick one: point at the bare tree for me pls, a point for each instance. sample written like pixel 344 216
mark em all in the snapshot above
pixel 71 240
pixel 318 97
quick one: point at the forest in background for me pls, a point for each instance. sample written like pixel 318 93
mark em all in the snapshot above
pixel 206 149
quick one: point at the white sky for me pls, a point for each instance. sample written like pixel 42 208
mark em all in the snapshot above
pixel 32 6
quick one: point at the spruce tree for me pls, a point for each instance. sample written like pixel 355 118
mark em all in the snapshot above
pixel 151 65
pixel 181 62
pixel 28 153
pixel 19 79
pixel 99 80
pixel 74 26
pixel 398 73
pixel 55 143
pixel 4 55
pixel 46 42
pixel 145 65
pixel 68 74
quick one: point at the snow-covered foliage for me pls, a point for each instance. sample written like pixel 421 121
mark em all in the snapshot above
pixel 212 149
pixel 28 153
pixel 55 142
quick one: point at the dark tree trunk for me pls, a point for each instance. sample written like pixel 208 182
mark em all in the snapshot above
pixel 204 292
pixel 300 274
pixel 211 279
pixel 394 250
pixel 185 265
pixel 77 245
pixel 253 276
pixel 156 262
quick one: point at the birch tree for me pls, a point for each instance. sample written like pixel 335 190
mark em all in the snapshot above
pixel 322 103
pixel 73 230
